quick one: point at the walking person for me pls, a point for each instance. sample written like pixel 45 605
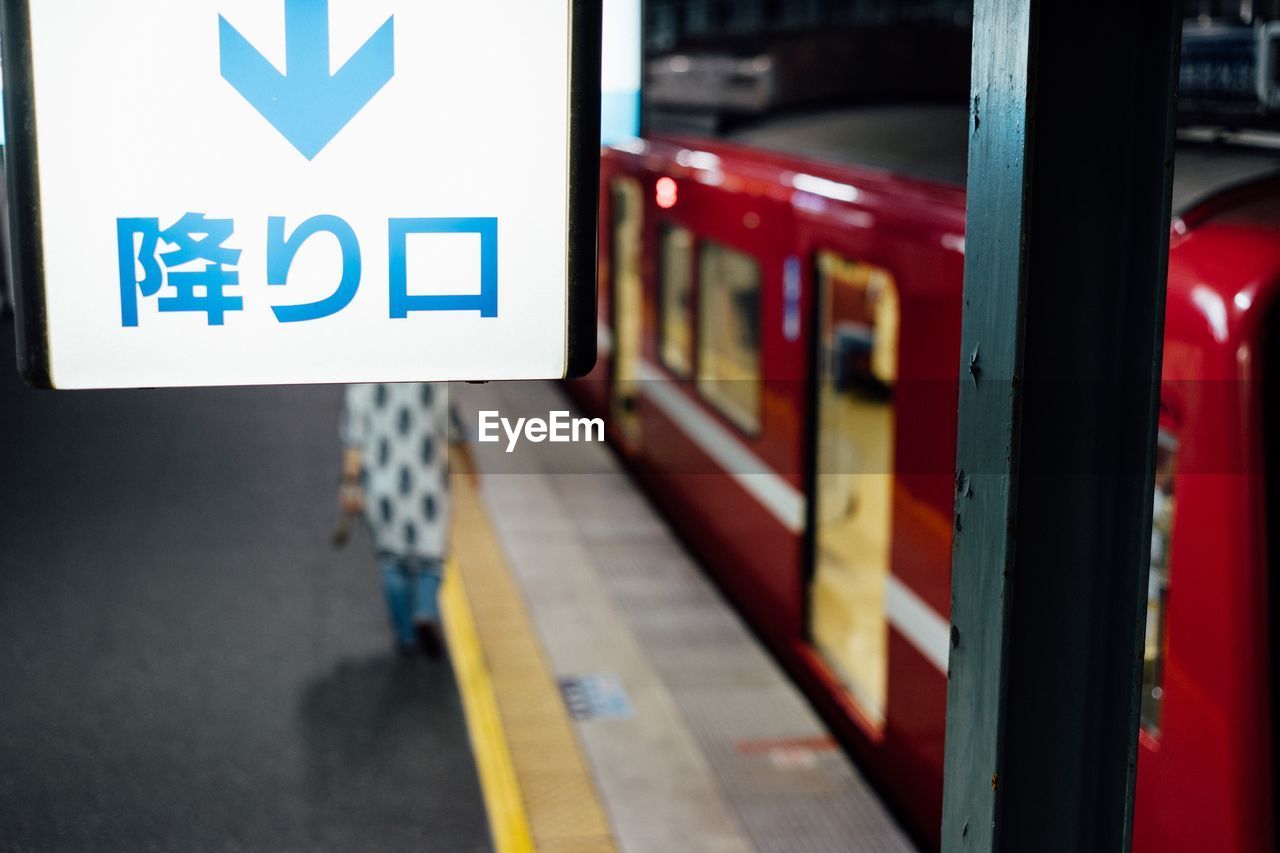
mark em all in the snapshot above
pixel 395 469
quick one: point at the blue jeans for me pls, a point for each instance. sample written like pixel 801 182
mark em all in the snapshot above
pixel 411 594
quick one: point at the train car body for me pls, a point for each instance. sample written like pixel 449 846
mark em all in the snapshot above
pixel 780 343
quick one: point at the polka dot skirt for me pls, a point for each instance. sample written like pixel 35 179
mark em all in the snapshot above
pixel 403 432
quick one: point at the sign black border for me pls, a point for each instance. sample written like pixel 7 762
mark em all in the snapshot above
pixel 585 37
pixel 22 172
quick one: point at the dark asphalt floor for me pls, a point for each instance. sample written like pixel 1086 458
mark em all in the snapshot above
pixel 186 664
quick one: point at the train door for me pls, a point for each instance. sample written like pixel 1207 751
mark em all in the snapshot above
pixel 628 222
pixel 856 355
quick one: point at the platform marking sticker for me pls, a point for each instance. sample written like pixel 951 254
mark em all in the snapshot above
pixel 802 753
pixel 596 697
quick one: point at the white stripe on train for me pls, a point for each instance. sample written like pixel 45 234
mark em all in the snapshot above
pixel 919 623
pixel 776 495
pixel 604 340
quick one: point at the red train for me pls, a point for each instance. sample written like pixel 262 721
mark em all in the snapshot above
pixel 780 341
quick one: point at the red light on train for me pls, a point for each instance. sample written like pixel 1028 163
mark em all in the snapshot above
pixel 666 193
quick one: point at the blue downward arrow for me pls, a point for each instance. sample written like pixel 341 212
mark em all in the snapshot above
pixel 307 104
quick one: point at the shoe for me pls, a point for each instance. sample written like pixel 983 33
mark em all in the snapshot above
pixel 405 650
pixel 430 640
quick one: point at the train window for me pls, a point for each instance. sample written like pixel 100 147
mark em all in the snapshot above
pixel 857 363
pixel 729 333
pixel 676 300
pixel 628 222
pixel 1158 583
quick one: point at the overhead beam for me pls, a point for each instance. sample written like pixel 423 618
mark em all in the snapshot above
pixel 1070 169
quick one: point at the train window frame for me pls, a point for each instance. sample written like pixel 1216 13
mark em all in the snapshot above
pixel 667 228
pixel 750 424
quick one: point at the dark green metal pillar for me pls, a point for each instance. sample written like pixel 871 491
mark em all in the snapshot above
pixel 1070 164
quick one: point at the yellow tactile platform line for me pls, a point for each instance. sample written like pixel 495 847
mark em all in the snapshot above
pixel 537 788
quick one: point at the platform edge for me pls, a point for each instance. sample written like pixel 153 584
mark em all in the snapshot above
pixel 508 819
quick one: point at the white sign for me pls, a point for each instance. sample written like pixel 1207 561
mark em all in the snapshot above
pixel 296 191
pixel 621 69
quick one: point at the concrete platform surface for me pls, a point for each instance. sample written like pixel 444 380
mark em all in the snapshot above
pixel 695 738
pixel 186 664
